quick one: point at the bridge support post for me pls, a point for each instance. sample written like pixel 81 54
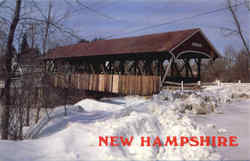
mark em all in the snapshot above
pixel 166 72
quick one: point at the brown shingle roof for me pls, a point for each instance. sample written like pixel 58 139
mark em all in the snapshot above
pixel 162 42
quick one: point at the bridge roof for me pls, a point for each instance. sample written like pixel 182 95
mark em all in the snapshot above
pixel 174 43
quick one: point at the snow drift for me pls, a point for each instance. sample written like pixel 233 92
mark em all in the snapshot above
pixel 75 136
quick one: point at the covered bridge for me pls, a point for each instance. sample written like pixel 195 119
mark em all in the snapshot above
pixel 134 63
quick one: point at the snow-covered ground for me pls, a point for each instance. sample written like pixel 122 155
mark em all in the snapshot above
pixel 213 111
pixel 233 122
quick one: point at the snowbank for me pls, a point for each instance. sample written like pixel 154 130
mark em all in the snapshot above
pixel 147 118
pixel 75 136
pixel 204 101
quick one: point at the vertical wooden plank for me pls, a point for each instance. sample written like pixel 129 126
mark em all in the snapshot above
pixel 157 81
pixel 105 82
pixel 99 87
pixel 81 81
pixel 77 81
pixel 136 84
pixel 111 83
pixel 124 89
pixel 133 83
pixel 86 85
pixel 127 84
pixel 90 81
pixel 144 85
pixel 148 86
pixel 121 85
pixel 115 87
pixel 138 87
pixel 152 85
pixel 84 81
pixel 124 85
pixel 157 84
pixel 101 83
pixel 127 78
pixel 93 83
pixel 96 82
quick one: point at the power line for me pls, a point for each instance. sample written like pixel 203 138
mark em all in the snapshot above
pixel 173 21
pixel 95 11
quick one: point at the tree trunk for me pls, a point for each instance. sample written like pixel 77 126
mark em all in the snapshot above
pixel 37 114
pixel 28 116
pixel 8 64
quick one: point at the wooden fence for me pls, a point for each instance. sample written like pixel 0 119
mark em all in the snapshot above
pixel 119 84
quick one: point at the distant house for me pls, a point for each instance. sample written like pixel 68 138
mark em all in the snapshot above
pixel 29 60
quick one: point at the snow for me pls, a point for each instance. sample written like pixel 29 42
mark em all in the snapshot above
pixel 235 122
pixel 215 110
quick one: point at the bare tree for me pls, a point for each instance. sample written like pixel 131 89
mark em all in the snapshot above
pixel 238 25
pixel 39 30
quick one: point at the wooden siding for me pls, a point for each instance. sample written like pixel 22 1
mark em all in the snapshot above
pixel 119 84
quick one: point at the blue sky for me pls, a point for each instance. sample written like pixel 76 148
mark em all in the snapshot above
pixel 125 16
pixel 130 15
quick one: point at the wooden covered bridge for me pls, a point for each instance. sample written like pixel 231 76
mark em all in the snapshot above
pixel 134 65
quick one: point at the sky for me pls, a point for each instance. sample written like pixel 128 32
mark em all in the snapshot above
pixel 123 18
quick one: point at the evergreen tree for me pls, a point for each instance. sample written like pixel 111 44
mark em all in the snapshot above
pixel 24 44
